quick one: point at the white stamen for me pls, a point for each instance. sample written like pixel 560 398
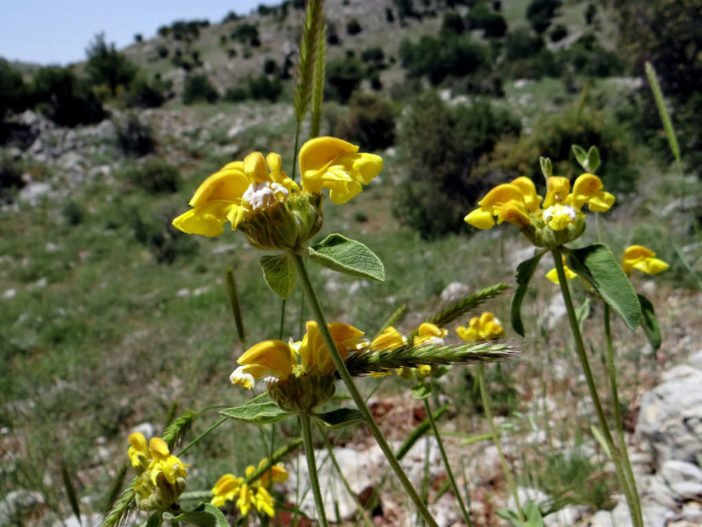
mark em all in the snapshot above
pixel 264 194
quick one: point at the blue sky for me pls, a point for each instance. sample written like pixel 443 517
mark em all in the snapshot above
pixel 58 31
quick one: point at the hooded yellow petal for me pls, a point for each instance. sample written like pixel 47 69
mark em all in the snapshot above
pixel 514 212
pixel 226 184
pixel 267 358
pixel 480 218
pixel 208 218
pixel 316 153
pixel 500 195
pixel 557 190
pixel 531 198
pixel 642 258
pixel 256 168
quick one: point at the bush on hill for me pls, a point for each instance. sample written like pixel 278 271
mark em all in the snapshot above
pixel 370 122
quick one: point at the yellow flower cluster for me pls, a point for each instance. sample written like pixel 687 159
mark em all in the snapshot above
pixel 248 496
pixel 390 339
pixel 239 189
pixel 161 474
pixel 486 327
pixel 518 203
pixel 278 360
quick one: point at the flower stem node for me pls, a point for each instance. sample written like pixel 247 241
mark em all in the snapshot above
pixel 300 395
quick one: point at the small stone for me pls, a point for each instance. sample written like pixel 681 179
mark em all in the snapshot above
pixel 454 291
pixel 9 293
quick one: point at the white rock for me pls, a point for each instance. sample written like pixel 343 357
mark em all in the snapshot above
pixel 454 291
pixel 34 192
pixel 554 312
pixel 147 429
pixel 16 501
pixel 674 471
pixel 670 419
pixel 9 293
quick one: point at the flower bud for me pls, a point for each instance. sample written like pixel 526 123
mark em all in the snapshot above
pixel 285 225
pixel 301 395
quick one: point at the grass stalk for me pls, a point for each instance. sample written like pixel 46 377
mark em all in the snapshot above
pixel 312 467
pixel 496 436
pixel 464 510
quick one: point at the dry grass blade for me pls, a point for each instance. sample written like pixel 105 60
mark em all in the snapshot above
pixel 665 116
pixel 175 431
pixel 314 24
pixel 123 506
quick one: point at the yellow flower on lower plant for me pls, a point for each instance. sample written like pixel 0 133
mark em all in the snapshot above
pixel 485 327
pixel 642 259
pixel 161 474
pixel 251 495
pixel 428 334
pixel 328 162
pixel 278 360
pixel 552 275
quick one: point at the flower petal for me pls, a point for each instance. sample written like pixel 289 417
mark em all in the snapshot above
pixel 228 184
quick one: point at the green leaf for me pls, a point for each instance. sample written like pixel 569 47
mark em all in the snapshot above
pixel 546 166
pixel 421 391
pixel 596 264
pixel 341 417
pixel 593 159
pixel 341 254
pixel 70 491
pixel 259 414
pixel 582 312
pixel 580 155
pixel 525 271
pixel 279 274
pixel 649 321
pixel 205 516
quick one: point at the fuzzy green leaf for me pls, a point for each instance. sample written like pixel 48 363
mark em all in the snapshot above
pixel 258 414
pixel 279 274
pixel 649 321
pixel 596 264
pixel 421 391
pixel 580 155
pixel 525 271
pixel 341 417
pixel 593 159
pixel 341 254
pixel 546 166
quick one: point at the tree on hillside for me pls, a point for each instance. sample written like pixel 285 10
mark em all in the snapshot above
pixel 107 66
pixel 540 12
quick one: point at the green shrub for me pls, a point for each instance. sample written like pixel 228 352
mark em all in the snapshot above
pixel 13 92
pixel 198 88
pixel 521 43
pixel 107 66
pixel 438 58
pixel 343 77
pixel 553 136
pixel 440 147
pixel 558 33
pixel 265 87
pixel 152 228
pixel 63 98
pixel 270 66
pixel 134 138
pixel 451 24
pixel 540 12
pixel 236 94
pixel 587 56
pixel 154 176
pixel 353 27
pixel 147 93
pixel 246 34
pixel 369 123
pixel 10 178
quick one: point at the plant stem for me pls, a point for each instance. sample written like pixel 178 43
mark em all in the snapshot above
pixel 582 356
pixel 496 439
pixel 447 465
pixel 297 141
pixel 312 468
pixel 631 481
pixel 197 439
pixel 314 305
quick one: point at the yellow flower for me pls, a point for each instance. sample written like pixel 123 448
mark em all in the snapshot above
pixel 278 360
pixel 164 463
pixel 314 355
pixel 557 221
pixel 138 452
pixel 233 192
pixel 552 275
pixel 328 162
pixel 487 327
pixel 270 358
pixel 161 475
pixel 249 495
pixel 390 339
pixel 641 258
pixel 428 334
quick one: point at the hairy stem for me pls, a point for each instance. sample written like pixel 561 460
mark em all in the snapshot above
pixel 314 305
pixel 312 468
